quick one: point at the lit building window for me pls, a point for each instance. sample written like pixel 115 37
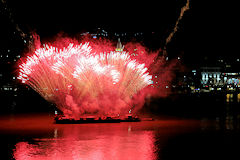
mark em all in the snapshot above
pixel 225 79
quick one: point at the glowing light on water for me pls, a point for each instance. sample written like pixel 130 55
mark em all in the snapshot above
pixel 70 144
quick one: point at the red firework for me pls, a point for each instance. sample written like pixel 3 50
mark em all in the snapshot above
pixel 91 77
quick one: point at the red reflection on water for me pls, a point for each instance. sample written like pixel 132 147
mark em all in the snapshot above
pixel 97 141
pixel 116 141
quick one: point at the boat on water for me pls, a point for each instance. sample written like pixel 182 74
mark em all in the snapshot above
pixel 86 120
pixel 130 118
pixel 60 119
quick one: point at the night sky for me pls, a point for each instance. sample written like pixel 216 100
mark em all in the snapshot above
pixel 207 29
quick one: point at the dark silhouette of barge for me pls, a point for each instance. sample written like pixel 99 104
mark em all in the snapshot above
pixel 63 120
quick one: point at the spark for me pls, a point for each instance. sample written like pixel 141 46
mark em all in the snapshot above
pixel 79 80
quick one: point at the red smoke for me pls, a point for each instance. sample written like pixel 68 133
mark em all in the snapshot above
pixel 109 90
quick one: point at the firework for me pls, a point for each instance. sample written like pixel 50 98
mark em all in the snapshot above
pixel 183 10
pixel 81 79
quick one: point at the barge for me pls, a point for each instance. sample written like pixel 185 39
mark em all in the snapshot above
pixel 91 119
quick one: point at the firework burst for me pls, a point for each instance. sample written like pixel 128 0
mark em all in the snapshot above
pixel 82 79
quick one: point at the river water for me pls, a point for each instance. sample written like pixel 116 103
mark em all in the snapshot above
pixel 212 132
pixel 36 137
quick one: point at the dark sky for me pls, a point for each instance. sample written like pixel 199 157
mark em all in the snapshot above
pixel 75 15
pixel 207 28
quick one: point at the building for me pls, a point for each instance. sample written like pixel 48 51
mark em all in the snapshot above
pixel 225 75
pixel 114 35
pixel 211 76
pixel 119 47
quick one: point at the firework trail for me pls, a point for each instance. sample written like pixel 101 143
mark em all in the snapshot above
pixel 27 37
pixel 183 9
pixel 10 16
